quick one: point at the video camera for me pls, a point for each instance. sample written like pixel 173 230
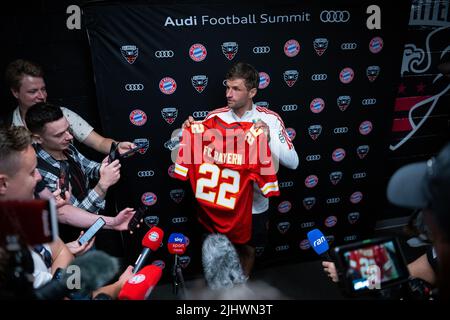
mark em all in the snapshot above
pixel 376 267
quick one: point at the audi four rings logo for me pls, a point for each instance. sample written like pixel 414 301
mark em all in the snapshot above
pixel 179 219
pixel 164 54
pixel 146 173
pixel 282 248
pixel 289 107
pixel 368 102
pixel 359 175
pixel 260 50
pixel 333 200
pixel 134 87
pixel 334 16
pixel 348 46
pixel 199 114
pixel 319 77
pixel 313 157
pixel 340 130
pixel 286 184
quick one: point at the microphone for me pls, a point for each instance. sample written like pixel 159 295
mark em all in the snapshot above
pixel 141 284
pixel 176 243
pixel 86 274
pixel 151 242
pixel 221 264
pixel 319 244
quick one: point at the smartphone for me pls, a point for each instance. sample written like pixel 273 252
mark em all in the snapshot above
pixel 64 178
pixel 114 152
pixel 34 221
pixel 92 231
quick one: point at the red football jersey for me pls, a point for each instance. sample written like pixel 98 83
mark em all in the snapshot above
pixel 221 161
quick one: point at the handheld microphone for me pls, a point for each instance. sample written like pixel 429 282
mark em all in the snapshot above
pixel 176 243
pixel 141 284
pixel 86 274
pixel 151 242
pixel 319 243
pixel 221 264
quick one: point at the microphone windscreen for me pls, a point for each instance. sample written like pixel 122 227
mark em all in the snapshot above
pixel 221 264
pixel 141 284
pixel 153 238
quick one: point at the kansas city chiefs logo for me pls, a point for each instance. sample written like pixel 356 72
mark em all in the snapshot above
pixel 199 82
pixel 177 195
pixel 229 49
pixel 290 77
pixel 315 131
pixel 283 227
pixel 169 114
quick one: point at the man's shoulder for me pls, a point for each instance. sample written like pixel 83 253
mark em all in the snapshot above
pixel 218 111
pixel 268 115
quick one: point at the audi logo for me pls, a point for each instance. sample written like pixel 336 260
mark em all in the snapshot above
pixel 260 50
pixel 313 157
pixel 350 238
pixel 286 184
pixel 164 54
pixel 307 224
pixel 179 219
pixel 348 46
pixel 146 173
pixel 134 87
pixel 282 248
pixel 368 102
pixel 333 200
pixel 199 114
pixel 340 130
pixel 289 107
pixel 319 77
pixel 359 175
pixel 334 16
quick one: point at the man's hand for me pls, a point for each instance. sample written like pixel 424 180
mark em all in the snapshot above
pixel 124 146
pixel 76 249
pixel 109 173
pixel 330 269
pixel 120 222
pixel 264 127
pixel 187 123
pixel 59 200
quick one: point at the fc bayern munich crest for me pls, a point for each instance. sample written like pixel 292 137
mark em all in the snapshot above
pixel 311 181
pixel 291 133
pixel 291 48
pixel 149 198
pixel 375 45
pixel 331 221
pixel 356 197
pixel 338 154
pixel 167 85
pixel 365 127
pixel 304 244
pixel 171 171
pixel 138 117
pixel 264 80
pixel 284 207
pixel 197 52
pixel 317 105
pixel 346 75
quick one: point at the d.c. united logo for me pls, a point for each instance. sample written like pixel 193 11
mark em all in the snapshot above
pixel 346 75
pixel 229 49
pixel 199 82
pixel 314 131
pixel 167 85
pixel 311 181
pixel 197 52
pixel 343 102
pixel 142 143
pixel 372 73
pixel 283 227
pixel 309 202
pixel 320 45
pixel 130 53
pixel 290 77
pixel 169 114
pixel 291 48
pixel 317 105
pixel 335 177
pixel 177 195
pixel 353 217
pixel 149 198
pixel 362 151
pixel 375 45
pixel 138 117
pixel 264 80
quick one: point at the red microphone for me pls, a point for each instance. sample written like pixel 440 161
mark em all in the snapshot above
pixel 151 242
pixel 141 284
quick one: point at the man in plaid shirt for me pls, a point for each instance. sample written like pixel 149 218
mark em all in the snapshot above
pixel 54 150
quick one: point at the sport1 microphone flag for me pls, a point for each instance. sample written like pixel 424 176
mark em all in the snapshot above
pixel 141 284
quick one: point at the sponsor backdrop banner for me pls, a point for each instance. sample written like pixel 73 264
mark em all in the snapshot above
pixel 330 71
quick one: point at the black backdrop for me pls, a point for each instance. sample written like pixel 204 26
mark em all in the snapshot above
pixel 151 72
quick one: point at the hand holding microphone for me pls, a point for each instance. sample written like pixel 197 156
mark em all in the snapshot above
pixel 141 284
pixel 319 243
pixel 151 242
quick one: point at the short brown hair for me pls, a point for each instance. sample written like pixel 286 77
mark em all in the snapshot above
pixel 19 68
pixel 242 70
pixel 12 141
